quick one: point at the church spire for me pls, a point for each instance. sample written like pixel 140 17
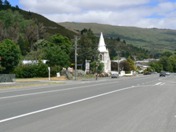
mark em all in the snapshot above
pixel 102 45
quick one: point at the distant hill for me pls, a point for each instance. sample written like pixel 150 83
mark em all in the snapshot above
pixel 149 38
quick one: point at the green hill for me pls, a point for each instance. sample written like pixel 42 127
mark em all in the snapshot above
pixel 149 38
pixel 50 26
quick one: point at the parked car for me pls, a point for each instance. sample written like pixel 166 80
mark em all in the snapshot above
pixel 162 74
pixel 114 75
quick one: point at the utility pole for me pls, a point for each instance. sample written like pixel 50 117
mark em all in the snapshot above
pixel 76 40
pixel 118 64
pixel 118 55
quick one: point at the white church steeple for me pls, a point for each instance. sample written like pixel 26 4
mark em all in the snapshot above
pixel 102 45
pixel 104 54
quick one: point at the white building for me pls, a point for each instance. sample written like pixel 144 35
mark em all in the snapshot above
pixel 104 54
pixel 25 62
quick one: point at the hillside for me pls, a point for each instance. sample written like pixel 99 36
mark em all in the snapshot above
pixel 152 39
pixel 50 26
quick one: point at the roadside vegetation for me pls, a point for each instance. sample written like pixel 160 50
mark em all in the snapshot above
pixel 167 62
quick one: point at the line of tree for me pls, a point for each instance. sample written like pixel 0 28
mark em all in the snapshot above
pixel 6 5
pixel 22 31
pixel 118 47
pixel 167 62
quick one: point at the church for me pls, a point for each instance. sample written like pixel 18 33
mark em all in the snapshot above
pixel 104 54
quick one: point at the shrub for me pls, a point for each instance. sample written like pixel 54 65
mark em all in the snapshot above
pixel 54 70
pixel 31 70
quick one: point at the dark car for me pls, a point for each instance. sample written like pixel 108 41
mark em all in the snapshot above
pixel 162 74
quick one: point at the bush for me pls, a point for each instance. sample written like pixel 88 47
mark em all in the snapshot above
pixel 31 70
pixel 81 73
pixel 54 70
pixel 96 67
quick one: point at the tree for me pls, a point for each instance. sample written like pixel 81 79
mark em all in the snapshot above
pixel 167 54
pixel 17 7
pixel 131 64
pixel 22 31
pixel 96 67
pixel 124 65
pixel 56 49
pixel 7 4
pixel 24 45
pixel 87 46
pixel 156 66
pixel 61 41
pixel 167 65
pixel 10 55
pixel 56 56
pixel 1 3
pixel 172 59
pixel 12 24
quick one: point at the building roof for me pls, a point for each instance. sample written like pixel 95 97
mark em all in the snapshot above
pixel 102 45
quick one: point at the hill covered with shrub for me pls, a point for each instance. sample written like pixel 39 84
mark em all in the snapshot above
pixel 152 39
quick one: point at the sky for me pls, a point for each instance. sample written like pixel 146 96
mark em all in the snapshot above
pixel 136 13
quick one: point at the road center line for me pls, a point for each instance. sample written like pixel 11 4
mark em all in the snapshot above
pixel 62 105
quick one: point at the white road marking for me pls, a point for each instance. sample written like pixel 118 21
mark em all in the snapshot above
pixel 158 83
pixel 66 104
pixel 162 84
pixel 52 91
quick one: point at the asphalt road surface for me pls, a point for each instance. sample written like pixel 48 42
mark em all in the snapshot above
pixel 128 104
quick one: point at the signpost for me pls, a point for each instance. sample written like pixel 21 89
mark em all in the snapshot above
pixel 87 66
pixel 49 69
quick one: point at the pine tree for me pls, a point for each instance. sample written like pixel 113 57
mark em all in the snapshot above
pixel 6 3
pixel 1 3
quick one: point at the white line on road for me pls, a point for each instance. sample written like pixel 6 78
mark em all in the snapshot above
pixel 162 84
pixel 158 83
pixel 61 105
pixel 51 91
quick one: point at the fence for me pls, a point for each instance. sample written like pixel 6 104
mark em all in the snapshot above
pixel 7 78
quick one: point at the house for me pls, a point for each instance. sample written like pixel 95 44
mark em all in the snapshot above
pixel 25 62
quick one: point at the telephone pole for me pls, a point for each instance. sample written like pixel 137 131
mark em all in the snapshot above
pixel 76 40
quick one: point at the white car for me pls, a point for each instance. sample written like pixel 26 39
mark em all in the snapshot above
pixel 114 74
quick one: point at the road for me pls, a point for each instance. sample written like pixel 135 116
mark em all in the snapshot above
pixel 128 104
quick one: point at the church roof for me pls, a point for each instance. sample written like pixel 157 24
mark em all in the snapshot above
pixel 102 45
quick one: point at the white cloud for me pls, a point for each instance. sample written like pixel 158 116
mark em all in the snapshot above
pixel 141 13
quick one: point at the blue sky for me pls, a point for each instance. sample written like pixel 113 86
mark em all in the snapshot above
pixel 138 13
pixel 14 2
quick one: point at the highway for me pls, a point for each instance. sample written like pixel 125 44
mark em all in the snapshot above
pixel 144 103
